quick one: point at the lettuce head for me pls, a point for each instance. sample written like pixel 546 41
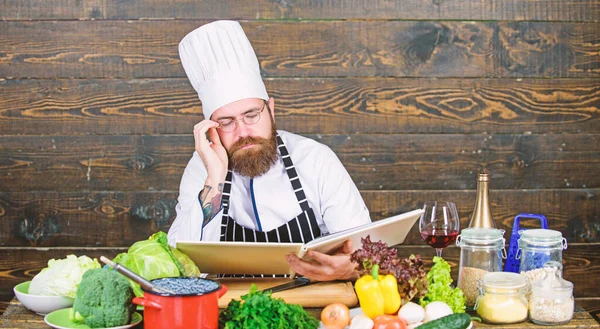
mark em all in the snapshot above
pixel 62 276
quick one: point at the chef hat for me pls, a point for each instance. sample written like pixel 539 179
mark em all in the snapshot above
pixel 221 65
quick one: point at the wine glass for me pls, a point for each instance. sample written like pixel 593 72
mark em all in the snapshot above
pixel 439 224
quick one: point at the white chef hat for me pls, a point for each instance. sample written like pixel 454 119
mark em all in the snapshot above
pixel 221 65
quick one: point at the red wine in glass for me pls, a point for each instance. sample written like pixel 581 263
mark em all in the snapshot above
pixel 439 224
pixel 439 238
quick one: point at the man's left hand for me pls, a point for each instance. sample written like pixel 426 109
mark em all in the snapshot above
pixel 324 267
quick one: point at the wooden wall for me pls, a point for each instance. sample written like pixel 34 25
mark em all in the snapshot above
pixel 415 97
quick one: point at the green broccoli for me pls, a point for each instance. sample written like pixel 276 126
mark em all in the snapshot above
pixel 103 299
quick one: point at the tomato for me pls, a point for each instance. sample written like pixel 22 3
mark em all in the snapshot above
pixel 335 316
pixel 389 322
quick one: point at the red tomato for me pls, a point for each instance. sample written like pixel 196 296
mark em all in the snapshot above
pixel 335 316
pixel 389 322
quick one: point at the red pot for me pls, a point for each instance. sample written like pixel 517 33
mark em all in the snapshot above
pixel 182 311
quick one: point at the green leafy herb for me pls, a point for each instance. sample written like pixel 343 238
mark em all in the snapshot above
pixel 440 288
pixel 258 310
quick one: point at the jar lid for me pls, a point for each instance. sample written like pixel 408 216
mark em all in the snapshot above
pixel 480 235
pixel 541 236
pixel 504 280
pixel 551 279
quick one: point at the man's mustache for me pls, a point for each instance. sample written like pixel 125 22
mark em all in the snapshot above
pixel 244 141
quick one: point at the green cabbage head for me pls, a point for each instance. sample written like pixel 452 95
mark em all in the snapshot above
pixel 154 258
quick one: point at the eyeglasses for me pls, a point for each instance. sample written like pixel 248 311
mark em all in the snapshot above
pixel 249 118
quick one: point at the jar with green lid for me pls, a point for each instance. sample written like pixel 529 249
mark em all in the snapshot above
pixel 502 298
pixel 551 301
pixel 537 247
pixel 481 252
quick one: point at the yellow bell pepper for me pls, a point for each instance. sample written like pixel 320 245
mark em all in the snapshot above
pixel 378 294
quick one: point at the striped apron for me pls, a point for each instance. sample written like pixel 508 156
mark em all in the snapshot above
pixel 301 229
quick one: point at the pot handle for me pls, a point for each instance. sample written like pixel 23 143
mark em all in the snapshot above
pixel 221 291
pixel 146 303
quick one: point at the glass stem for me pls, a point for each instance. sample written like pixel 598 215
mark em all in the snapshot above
pixel 438 252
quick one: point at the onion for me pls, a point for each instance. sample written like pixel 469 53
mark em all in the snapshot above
pixel 436 310
pixel 361 321
pixel 412 313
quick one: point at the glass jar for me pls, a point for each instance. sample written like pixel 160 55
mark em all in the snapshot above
pixel 481 252
pixel 537 247
pixel 502 298
pixel 551 301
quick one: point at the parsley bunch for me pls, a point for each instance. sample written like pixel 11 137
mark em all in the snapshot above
pixel 258 310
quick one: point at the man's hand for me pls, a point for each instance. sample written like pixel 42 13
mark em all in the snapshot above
pixel 213 154
pixel 325 267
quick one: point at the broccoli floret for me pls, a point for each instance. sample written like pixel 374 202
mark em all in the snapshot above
pixel 103 299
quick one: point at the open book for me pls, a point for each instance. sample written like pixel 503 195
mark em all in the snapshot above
pixel 269 258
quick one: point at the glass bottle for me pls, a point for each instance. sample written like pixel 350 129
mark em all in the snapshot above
pixel 502 298
pixel 551 301
pixel 482 215
pixel 481 252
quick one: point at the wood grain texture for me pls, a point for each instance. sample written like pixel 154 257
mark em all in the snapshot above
pixel 20 264
pixel 83 49
pixel 320 106
pixel 88 219
pixel 5 301
pixel 591 305
pixel 551 10
pixel 375 162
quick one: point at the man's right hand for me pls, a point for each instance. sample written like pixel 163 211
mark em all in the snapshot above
pixel 213 154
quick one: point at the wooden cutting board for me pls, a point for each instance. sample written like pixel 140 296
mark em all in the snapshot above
pixel 318 294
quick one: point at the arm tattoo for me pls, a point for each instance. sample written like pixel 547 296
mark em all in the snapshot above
pixel 211 207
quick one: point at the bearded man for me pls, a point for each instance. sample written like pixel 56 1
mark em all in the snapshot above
pixel 248 181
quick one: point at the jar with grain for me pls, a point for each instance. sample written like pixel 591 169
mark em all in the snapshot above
pixel 502 298
pixel 481 252
pixel 551 301
pixel 537 247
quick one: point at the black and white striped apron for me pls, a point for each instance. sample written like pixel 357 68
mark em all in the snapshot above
pixel 300 229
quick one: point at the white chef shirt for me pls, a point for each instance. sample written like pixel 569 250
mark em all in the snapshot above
pixel 329 190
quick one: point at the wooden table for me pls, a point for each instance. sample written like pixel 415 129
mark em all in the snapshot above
pixel 17 316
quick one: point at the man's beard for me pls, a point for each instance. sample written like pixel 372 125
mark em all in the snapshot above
pixel 257 160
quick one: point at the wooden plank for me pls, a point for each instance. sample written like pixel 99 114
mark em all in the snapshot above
pixel 375 162
pixel 320 106
pixel 83 219
pixel 18 317
pixel 82 49
pixel 552 10
pixel 47 219
pixel 4 302
pixel 591 305
pixel 20 264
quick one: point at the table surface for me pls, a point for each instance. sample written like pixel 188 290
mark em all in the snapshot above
pixel 17 316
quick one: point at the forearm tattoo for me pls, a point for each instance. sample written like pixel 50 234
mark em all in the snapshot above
pixel 210 208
